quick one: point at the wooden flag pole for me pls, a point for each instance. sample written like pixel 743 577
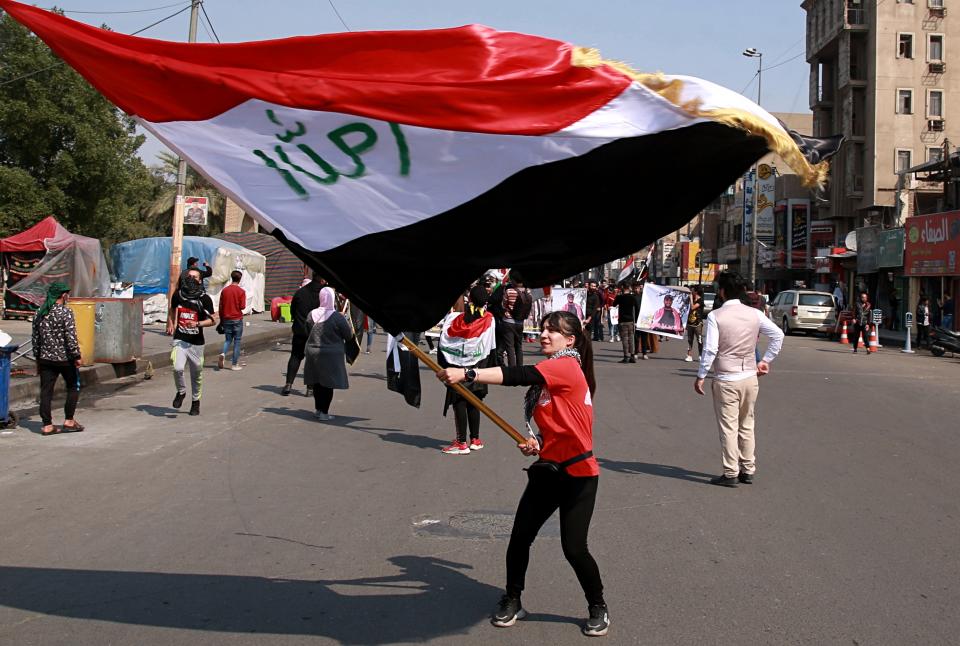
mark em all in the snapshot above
pixel 466 394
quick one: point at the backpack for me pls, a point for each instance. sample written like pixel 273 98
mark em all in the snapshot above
pixel 523 305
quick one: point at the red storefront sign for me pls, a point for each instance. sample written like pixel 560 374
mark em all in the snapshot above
pixel 933 244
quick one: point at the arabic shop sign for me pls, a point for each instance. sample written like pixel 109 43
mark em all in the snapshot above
pixel 932 245
pixel 890 253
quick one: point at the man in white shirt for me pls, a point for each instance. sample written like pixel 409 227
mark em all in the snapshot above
pixel 838 298
pixel 730 341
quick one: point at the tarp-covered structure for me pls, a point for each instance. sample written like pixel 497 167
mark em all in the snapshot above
pixel 47 253
pixel 146 264
pixel 285 272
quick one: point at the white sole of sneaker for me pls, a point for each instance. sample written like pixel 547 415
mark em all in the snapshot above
pixel 475 448
pixel 506 624
pixel 598 633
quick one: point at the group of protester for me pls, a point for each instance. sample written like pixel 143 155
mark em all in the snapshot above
pixel 479 346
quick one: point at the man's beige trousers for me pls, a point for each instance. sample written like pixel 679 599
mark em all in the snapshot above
pixel 733 402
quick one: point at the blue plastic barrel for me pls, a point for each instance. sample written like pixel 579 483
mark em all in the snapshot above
pixel 6 352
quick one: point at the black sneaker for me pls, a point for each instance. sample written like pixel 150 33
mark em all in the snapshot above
pixel 286 389
pixel 195 408
pixel 724 481
pixel 507 613
pixel 745 478
pixel 632 360
pixel 599 622
pixel 178 400
pixel 626 360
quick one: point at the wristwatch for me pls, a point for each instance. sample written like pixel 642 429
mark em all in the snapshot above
pixel 469 375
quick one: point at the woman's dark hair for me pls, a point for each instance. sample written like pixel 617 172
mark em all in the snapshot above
pixel 478 298
pixel 569 325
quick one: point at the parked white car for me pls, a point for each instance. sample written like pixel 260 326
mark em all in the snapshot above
pixel 806 310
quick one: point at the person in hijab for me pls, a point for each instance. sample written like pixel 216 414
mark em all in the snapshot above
pixel 324 368
pixel 57 352
pixel 468 341
pixel 305 300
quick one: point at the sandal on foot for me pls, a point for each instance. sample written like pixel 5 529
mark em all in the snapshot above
pixel 76 428
pixel 53 431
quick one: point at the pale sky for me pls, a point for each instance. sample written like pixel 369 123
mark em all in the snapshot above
pixel 701 38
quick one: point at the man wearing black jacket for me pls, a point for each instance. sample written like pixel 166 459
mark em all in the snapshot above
pixel 305 300
pixel 594 311
pixel 629 309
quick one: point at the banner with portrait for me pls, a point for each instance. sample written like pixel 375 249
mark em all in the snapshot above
pixel 664 310
pixel 573 300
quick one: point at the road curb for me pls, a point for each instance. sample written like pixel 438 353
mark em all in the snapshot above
pixel 24 392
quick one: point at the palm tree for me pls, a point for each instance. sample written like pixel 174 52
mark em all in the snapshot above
pixel 197 185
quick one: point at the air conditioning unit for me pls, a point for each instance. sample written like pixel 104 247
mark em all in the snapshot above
pixel 938 12
pixel 937 67
pixel 935 124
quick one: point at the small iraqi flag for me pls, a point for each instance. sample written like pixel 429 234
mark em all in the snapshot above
pixel 402 164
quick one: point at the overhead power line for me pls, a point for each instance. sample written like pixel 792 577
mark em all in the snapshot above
pixel 203 8
pixel 50 67
pixel 334 7
pixel 166 6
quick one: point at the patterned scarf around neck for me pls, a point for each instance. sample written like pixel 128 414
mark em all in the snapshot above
pixel 532 396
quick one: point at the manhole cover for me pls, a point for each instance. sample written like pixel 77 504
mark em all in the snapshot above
pixel 476 525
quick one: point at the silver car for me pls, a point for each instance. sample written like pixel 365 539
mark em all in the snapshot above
pixel 802 309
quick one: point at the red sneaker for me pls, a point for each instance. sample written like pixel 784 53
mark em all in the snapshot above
pixel 457 448
pixel 476 444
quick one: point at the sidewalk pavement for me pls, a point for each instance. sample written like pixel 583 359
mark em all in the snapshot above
pixel 259 332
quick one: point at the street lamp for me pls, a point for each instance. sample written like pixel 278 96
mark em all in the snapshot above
pixel 752 52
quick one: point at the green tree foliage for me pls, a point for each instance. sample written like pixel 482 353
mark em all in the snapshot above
pixel 65 150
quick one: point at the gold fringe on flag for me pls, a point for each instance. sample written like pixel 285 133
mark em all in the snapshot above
pixel 778 141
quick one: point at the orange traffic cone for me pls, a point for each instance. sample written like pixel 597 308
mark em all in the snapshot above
pixel 874 343
pixel 844 339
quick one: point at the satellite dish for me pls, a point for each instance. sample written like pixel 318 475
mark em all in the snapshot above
pixel 851 241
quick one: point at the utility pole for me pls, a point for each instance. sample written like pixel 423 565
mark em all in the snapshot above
pixel 752 262
pixel 176 239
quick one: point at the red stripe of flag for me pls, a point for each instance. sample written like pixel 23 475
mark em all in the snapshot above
pixel 469 78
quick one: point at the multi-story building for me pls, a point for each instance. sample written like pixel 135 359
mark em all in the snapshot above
pixel 879 75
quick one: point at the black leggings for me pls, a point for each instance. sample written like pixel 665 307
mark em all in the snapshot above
pixel 296 357
pixel 322 398
pixel 575 497
pixel 48 380
pixel 465 414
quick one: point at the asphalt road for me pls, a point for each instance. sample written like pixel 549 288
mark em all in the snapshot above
pixel 256 524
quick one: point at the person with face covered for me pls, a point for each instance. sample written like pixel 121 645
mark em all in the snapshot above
pixel 190 311
pixel 560 401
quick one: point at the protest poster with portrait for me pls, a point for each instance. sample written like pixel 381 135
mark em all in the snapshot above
pixel 569 300
pixel 195 210
pixel 664 310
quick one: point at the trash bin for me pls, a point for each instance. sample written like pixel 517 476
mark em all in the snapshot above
pixel 285 312
pixel 84 313
pixel 7 418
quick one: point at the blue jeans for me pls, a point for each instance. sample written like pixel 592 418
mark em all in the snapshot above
pixel 232 332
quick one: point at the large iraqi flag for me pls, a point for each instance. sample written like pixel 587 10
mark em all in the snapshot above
pixel 402 164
